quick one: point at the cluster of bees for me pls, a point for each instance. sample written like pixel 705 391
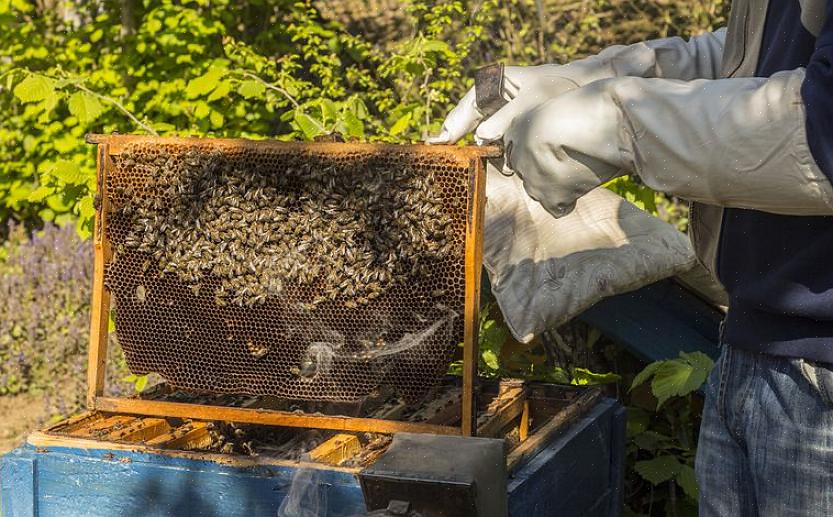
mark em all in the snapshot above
pixel 345 236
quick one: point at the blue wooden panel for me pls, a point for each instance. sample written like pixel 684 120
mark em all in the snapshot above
pixel 579 473
pixel 73 482
pixel 658 321
pixel 17 484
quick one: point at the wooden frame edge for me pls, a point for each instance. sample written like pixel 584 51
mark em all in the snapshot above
pixel 266 417
pixel 43 441
pixel 100 304
pixel 474 266
pixel 100 309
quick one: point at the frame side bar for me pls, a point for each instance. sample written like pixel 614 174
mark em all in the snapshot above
pixel 266 417
pixel 474 264
pixel 100 304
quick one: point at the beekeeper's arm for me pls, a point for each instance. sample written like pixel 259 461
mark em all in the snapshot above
pixel 757 143
pixel 670 58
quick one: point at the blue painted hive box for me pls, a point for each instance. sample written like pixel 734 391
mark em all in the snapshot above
pixel 567 461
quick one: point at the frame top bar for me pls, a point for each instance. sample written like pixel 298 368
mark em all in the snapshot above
pixel 486 151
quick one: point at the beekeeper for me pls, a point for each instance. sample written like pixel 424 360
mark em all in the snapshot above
pixel 740 122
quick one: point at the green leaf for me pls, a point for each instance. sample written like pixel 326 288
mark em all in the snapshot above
pixel 401 124
pixel 202 110
pixel 141 383
pixel 652 441
pixel 645 374
pixel 687 480
pixel 638 421
pixel 34 88
pixel 352 124
pixel 222 90
pixel 584 377
pixel 86 209
pixel 308 125
pixel 679 377
pixel 251 89
pixel 328 111
pixel 205 83
pixel 40 193
pixel 491 359
pixel 659 469
pixel 85 107
pixel 68 172
pixel 435 46
pixel 216 119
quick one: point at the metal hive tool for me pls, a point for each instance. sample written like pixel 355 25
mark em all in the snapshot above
pixel 317 272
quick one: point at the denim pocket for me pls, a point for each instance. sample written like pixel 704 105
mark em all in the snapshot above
pixel 820 378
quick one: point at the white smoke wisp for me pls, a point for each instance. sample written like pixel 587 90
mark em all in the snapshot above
pixel 307 496
pixel 320 355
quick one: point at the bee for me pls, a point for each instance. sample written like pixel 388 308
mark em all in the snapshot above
pixel 256 349
pixel 141 294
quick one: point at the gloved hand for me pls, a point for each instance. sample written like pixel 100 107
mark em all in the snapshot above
pixel 527 87
pixel 524 87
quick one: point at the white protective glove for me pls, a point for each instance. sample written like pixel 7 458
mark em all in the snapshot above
pixel 736 143
pixel 527 87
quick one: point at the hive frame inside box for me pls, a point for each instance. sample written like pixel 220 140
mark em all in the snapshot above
pixel 110 145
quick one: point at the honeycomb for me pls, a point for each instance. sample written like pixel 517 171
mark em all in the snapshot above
pixel 303 272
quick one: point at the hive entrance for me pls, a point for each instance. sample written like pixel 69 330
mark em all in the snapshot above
pixel 306 272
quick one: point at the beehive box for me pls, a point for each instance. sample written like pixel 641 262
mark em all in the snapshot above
pixel 318 272
pixel 103 464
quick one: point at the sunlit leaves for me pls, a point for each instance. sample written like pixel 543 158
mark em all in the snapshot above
pixel 308 125
pixel 205 83
pixel 85 107
pixel 67 173
pixel 250 89
pixel 34 88
pixel 401 124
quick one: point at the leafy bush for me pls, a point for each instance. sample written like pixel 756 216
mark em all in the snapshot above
pixel 45 284
pixel 663 419
pixel 258 69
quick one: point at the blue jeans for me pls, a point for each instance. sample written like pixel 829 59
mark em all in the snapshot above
pixel 766 440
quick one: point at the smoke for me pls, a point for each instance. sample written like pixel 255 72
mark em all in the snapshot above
pixel 320 354
pixel 307 496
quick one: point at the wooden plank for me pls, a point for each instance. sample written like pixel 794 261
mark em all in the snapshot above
pixel 100 426
pixel 502 412
pixel 140 430
pixel 473 268
pixel 443 409
pixel 74 422
pixel 46 441
pixel 266 417
pixel 193 435
pixel 523 428
pixel 543 434
pixel 337 449
pixel 100 305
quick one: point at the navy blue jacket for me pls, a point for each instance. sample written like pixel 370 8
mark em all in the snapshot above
pixel 778 270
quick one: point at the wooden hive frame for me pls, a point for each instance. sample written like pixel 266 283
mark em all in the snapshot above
pixel 110 145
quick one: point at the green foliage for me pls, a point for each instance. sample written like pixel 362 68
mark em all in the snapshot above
pixel 675 377
pixel 662 421
pixel 277 70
